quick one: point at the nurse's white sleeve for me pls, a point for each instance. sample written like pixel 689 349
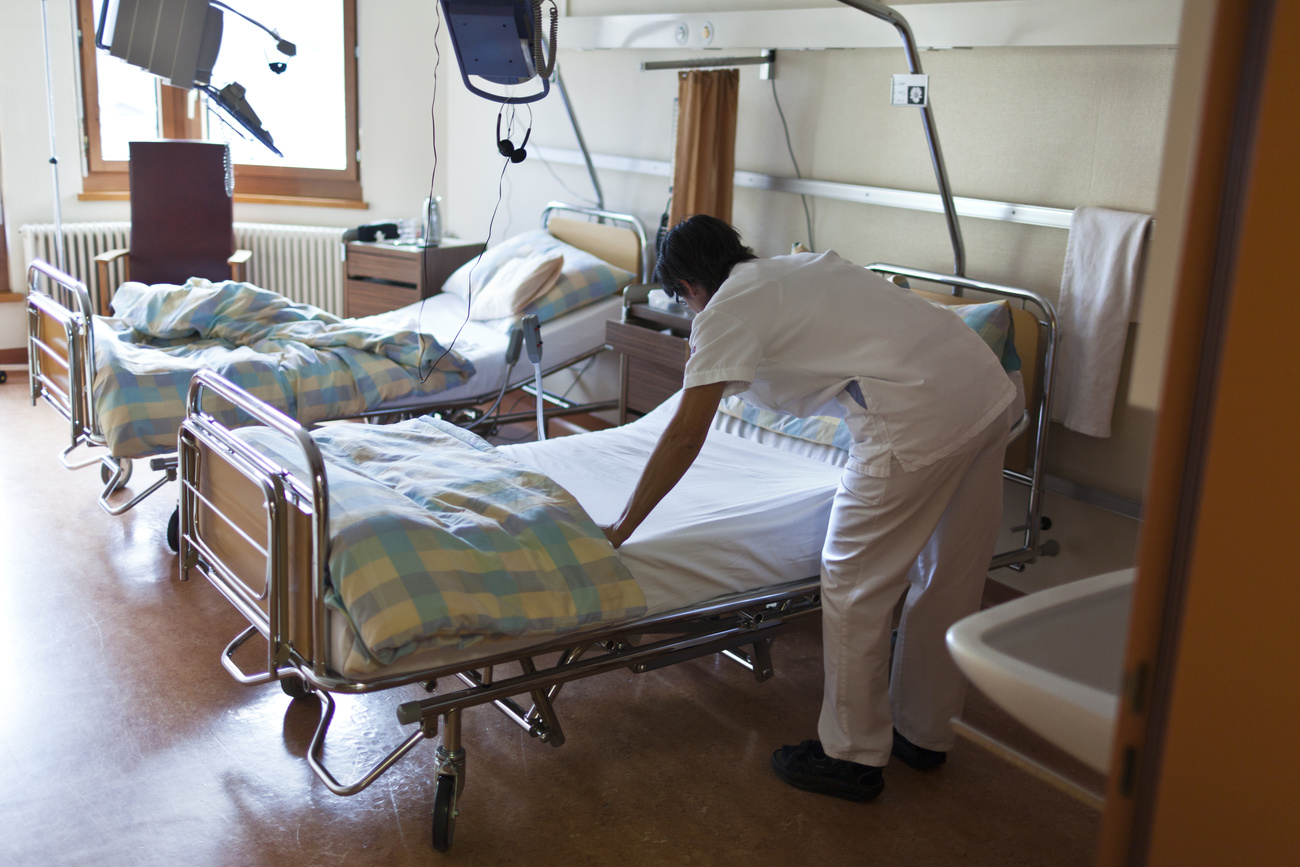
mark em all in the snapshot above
pixel 723 349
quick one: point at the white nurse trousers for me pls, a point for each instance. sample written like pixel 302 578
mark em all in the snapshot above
pixel 932 532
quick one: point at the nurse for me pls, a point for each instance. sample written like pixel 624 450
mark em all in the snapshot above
pixel 919 505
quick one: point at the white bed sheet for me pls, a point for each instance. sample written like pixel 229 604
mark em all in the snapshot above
pixel 564 338
pixel 745 516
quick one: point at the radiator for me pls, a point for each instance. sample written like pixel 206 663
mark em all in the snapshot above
pixel 304 263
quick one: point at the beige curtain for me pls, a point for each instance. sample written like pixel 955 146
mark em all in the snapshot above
pixel 706 143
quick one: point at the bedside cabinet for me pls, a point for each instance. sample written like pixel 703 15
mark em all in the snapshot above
pixel 381 276
pixel 652 365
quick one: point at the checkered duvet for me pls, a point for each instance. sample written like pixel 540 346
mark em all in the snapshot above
pixel 302 360
pixel 440 540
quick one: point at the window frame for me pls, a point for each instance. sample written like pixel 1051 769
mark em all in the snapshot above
pixel 109 179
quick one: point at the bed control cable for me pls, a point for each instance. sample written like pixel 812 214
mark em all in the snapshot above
pixel 533 344
pixel 512 358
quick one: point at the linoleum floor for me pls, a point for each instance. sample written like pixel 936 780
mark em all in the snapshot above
pixel 124 741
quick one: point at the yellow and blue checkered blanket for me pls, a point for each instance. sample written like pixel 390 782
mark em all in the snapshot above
pixel 298 358
pixel 438 539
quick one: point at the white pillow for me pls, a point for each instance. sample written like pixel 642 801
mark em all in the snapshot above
pixel 516 283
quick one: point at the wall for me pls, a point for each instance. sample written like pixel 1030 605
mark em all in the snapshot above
pixel 1058 127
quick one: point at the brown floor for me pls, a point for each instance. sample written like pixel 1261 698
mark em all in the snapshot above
pixel 125 742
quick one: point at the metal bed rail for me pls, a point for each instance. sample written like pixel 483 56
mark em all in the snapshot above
pixel 1040 412
pixel 61 373
pixel 297 654
pixel 68 306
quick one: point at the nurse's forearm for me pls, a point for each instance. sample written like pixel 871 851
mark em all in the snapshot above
pixel 676 450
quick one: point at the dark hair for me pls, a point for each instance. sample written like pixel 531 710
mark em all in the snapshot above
pixel 700 250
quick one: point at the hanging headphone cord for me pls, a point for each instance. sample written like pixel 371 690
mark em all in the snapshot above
pixel 797 174
pixel 433 123
pixel 469 280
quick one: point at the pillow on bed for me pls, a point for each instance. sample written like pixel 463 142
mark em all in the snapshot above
pixel 992 322
pixel 823 429
pixel 516 284
pixel 583 278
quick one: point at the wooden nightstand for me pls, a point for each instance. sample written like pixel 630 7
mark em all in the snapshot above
pixel 382 276
pixel 654 347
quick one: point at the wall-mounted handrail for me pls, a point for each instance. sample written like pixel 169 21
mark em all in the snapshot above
pixel 985 209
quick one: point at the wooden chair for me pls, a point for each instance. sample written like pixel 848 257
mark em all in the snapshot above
pixel 182 219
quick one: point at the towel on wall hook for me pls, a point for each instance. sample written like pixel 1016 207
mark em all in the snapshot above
pixel 1103 270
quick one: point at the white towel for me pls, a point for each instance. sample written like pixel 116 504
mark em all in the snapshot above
pixel 1103 260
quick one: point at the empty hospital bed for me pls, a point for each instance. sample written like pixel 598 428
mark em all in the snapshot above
pixel 77 361
pixel 728 561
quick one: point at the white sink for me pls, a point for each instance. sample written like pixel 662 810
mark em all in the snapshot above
pixel 1054 660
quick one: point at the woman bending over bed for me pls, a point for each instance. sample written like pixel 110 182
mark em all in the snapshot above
pixel 918 507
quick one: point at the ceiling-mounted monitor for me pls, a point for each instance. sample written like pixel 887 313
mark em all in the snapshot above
pixel 178 41
pixel 501 41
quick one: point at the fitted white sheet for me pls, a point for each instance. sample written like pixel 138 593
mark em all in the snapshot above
pixel 745 516
pixel 565 338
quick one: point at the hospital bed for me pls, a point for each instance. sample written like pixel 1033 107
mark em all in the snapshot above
pixel 66 346
pixel 728 561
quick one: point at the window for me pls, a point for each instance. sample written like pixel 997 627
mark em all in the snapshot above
pixel 310 108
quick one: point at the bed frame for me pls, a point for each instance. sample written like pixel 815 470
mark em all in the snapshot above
pixel 61 351
pixel 258 533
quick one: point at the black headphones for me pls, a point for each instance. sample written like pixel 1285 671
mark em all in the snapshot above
pixel 506 147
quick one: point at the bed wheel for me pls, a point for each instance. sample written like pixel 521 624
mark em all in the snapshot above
pixel 295 688
pixel 106 473
pixel 444 812
pixel 174 530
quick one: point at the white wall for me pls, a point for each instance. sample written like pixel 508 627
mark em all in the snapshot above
pixel 1059 127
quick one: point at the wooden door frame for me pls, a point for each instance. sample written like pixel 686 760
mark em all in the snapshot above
pixel 1197 754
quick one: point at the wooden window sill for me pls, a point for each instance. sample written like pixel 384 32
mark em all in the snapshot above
pixel 244 198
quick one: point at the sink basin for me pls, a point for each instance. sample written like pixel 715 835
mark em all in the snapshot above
pixel 1054 660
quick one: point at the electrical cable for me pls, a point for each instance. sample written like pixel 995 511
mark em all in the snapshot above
pixel 284 46
pixel 469 280
pixel 807 215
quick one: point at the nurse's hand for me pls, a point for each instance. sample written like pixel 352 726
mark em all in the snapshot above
pixel 613 534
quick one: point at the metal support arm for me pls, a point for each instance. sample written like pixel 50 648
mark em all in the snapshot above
pixel 884 13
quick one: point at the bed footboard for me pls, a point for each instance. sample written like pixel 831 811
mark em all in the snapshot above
pixel 61 352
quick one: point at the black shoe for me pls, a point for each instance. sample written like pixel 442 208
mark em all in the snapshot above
pixel 807 767
pixel 917 757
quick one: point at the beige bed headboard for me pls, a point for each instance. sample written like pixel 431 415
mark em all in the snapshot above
pixel 617 245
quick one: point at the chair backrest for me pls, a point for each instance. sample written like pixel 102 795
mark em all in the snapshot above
pixel 182 219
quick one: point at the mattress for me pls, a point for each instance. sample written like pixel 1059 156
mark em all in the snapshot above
pixel 747 515
pixel 564 338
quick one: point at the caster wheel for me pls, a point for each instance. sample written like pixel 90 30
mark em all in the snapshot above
pixel 295 688
pixel 4 376
pixel 444 812
pixel 174 530
pixel 106 473
pixel 1045 523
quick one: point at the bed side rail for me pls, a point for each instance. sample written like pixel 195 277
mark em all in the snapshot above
pixel 1040 403
pixel 629 221
pixel 61 352
pixel 219 532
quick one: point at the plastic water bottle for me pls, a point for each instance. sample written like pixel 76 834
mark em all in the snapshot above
pixel 432 222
